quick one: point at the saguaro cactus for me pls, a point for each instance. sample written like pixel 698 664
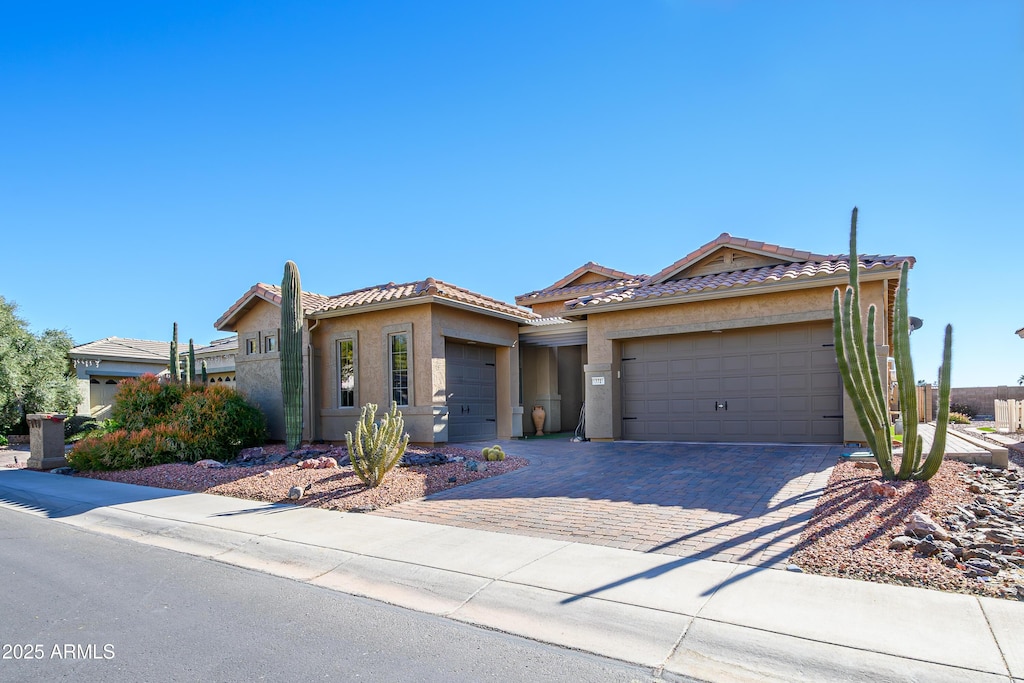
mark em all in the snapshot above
pixel 291 354
pixel 858 366
pixel 175 366
pixel 191 360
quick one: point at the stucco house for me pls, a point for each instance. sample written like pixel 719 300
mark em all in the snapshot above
pixel 733 342
pixel 101 364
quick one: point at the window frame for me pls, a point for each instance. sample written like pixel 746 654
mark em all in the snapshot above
pixel 390 332
pixel 339 341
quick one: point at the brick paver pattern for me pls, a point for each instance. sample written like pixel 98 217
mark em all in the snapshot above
pixel 746 504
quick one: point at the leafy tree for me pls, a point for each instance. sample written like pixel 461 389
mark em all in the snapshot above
pixel 35 373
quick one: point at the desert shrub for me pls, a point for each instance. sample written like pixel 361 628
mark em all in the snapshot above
pixel 161 423
pixel 220 421
pixel 378 445
pixel 80 424
pixel 145 401
pixel 959 418
pixel 963 409
pixel 3 440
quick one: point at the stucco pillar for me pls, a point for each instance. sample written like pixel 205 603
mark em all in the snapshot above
pixel 46 439
pixel 599 401
pixel 510 413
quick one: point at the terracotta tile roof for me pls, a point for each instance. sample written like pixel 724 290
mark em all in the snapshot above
pixel 725 239
pixel 807 270
pixel 560 290
pixel 1020 333
pixel 116 347
pixel 315 304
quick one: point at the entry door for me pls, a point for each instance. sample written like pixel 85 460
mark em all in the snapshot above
pixel 472 392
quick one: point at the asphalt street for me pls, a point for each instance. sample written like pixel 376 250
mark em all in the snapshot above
pixel 75 605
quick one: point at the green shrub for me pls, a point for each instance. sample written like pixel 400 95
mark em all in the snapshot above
pixel 959 418
pixel 963 409
pixel 80 424
pixel 3 440
pixel 378 445
pixel 170 423
pixel 145 401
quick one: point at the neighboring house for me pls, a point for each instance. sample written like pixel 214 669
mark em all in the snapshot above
pixel 220 360
pixel 101 364
pixel 731 343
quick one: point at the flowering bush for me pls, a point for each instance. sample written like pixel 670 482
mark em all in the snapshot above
pixel 168 422
pixel 959 419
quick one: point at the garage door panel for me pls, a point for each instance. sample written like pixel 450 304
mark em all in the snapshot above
pixel 735 385
pixel 779 381
pixel 735 364
pixel 708 386
pixel 471 383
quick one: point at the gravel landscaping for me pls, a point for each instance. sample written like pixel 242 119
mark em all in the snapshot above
pixel 859 530
pixel 335 488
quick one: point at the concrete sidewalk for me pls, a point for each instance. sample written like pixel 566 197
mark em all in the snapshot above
pixel 682 617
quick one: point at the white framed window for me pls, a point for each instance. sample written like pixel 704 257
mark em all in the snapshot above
pixel 399 362
pixel 348 371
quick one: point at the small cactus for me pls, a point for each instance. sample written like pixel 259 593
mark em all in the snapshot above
pixel 206 377
pixel 377 445
pixel 191 360
pixel 493 454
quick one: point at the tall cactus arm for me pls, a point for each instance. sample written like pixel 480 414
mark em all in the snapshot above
pixel 291 354
pixel 905 378
pixel 938 449
pixel 840 329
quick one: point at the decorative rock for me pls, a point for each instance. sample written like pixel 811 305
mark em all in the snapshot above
pixel 452 480
pixel 66 471
pixel 982 567
pixel 926 547
pixel 922 525
pixel 297 492
pixel 312 463
pixel 210 464
pixel 362 509
pixel 267 473
pixel 877 488
pixel 326 463
pixel 948 559
pixel 865 465
pixel 902 543
pixel 476 466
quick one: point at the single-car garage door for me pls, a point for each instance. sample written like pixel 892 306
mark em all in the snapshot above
pixel 764 384
pixel 472 392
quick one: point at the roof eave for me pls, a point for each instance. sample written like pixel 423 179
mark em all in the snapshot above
pixel 731 292
pixel 413 301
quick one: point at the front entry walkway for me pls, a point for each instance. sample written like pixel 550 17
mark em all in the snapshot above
pixel 737 503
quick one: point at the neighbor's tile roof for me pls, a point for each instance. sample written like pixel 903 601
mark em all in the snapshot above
pixel 115 347
pixel 560 291
pixel 314 304
pixel 220 345
pixel 828 266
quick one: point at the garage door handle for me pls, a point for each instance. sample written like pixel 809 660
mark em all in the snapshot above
pixel 723 406
pixel 629 418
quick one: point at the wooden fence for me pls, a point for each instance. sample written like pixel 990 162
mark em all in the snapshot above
pixel 1009 416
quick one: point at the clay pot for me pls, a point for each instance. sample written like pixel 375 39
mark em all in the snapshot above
pixel 538 419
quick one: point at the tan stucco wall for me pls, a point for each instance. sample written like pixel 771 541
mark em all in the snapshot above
pixel 604 330
pixel 426 417
pixel 550 309
pixel 258 376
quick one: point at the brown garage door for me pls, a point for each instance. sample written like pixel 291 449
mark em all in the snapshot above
pixel 764 384
pixel 472 391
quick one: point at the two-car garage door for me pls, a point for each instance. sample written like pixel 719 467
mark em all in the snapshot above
pixel 765 384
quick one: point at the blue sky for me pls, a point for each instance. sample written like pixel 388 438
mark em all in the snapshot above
pixel 160 158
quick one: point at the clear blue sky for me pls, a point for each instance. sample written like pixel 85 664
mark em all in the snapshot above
pixel 160 158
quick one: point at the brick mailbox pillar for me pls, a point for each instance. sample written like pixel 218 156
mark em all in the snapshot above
pixel 46 439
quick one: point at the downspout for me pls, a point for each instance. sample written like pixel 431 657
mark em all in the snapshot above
pixel 313 436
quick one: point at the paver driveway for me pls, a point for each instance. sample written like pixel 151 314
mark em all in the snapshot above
pixel 737 503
